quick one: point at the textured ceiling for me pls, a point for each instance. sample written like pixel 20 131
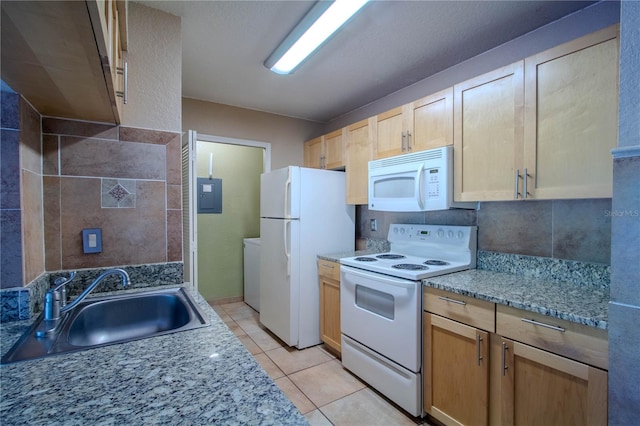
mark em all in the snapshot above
pixel 387 46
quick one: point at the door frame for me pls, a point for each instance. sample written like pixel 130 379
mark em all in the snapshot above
pixel 192 241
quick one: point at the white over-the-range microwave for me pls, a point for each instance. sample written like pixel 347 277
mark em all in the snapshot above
pixel 420 181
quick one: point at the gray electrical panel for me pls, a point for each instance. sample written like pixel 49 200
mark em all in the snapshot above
pixel 209 195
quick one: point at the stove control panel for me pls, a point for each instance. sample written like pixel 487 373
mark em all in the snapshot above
pixel 431 233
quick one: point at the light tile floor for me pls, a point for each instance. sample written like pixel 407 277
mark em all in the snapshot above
pixel 312 378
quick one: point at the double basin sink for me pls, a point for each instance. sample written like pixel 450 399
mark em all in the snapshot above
pixel 101 321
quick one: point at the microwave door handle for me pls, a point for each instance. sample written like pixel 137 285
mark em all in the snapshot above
pixel 418 188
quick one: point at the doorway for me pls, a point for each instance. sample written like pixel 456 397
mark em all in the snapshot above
pixel 236 165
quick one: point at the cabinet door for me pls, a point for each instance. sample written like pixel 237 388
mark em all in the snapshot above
pixel 390 135
pixel 329 278
pixel 456 371
pixel 431 119
pixel 117 61
pixel 106 20
pixel 334 150
pixel 313 153
pixel 571 119
pixel 488 135
pixel 541 388
pixel 359 148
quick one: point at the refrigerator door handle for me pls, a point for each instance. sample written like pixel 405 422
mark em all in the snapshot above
pixel 287 230
pixel 287 191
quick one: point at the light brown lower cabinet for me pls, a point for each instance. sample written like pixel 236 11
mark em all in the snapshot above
pixel 541 388
pixel 329 280
pixel 456 371
pixel 525 369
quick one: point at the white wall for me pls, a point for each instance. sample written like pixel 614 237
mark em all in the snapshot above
pixel 285 134
pixel 155 70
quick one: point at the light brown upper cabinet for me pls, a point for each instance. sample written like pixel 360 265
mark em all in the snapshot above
pixel 359 151
pixel 571 118
pixel 431 119
pixel 59 55
pixel 542 128
pixel 334 150
pixel 312 153
pixel 391 138
pixel 488 134
pixel 423 124
pixel 109 20
pixel 325 152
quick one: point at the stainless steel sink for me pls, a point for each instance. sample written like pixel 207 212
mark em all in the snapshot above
pixel 101 321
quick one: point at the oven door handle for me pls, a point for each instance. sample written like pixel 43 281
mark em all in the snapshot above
pixel 376 278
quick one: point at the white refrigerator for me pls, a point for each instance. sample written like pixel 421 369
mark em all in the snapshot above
pixel 303 213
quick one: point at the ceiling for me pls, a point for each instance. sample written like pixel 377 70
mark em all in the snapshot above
pixel 387 46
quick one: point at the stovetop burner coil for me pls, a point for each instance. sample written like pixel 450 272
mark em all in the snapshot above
pixel 390 256
pixel 365 259
pixel 410 266
pixel 434 262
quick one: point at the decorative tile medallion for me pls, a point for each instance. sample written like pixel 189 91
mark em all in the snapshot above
pixel 118 193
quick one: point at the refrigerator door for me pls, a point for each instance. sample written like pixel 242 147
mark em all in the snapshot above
pixel 279 277
pixel 280 193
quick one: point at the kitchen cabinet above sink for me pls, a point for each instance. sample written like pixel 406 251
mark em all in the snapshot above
pixel 65 58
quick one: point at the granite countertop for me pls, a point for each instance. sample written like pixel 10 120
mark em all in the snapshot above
pixel 335 257
pixel 201 376
pixel 587 305
pixel 583 304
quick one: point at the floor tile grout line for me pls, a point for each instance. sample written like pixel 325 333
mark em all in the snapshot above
pixel 331 356
pixel 302 392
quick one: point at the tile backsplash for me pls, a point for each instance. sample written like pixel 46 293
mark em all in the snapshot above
pixel 21 208
pixel 577 230
pixel 21 303
pixel 122 180
pixel 61 176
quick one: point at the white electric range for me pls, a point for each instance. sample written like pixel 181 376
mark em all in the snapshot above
pixel 422 251
pixel 381 305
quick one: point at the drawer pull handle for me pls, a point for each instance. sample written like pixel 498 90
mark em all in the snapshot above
pixel 541 324
pixel 458 302
pixel 328 266
pixel 504 359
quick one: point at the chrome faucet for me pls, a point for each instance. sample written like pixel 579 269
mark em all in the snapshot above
pixel 56 297
pixel 55 302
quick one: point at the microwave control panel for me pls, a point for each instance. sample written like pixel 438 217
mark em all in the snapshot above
pixel 433 183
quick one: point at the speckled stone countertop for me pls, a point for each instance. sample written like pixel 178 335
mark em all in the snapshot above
pixel 201 376
pixel 581 296
pixel 586 305
pixel 335 257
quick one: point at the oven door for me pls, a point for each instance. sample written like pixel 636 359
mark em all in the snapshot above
pixel 382 313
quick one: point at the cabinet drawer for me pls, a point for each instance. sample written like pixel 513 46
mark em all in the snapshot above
pixel 576 341
pixel 329 269
pixel 470 311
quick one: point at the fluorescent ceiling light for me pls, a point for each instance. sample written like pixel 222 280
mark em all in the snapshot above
pixel 315 28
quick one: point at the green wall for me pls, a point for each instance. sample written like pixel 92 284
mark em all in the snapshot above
pixel 220 248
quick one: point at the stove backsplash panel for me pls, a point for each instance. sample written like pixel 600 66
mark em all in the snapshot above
pixel 577 230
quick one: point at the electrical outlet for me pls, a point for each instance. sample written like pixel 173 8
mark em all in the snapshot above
pixel 373 224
